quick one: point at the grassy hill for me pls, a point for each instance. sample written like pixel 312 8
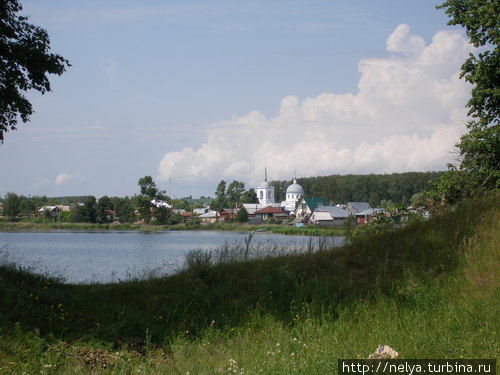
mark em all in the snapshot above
pixel 428 290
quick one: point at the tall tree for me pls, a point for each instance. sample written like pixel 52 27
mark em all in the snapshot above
pixel 25 62
pixel 234 192
pixel 89 210
pixel 124 210
pixel 479 168
pixel 249 196
pixel 11 205
pixel 148 187
pixel 220 200
pixel 103 205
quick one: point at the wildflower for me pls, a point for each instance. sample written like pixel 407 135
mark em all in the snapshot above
pixel 292 355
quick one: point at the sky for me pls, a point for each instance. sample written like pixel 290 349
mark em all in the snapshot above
pixel 192 92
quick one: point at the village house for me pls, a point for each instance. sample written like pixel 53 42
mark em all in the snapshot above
pixel 357 207
pixel 186 216
pixel 53 211
pixel 329 216
pixel 269 212
pixel 306 206
pixel 367 216
pixel 228 213
pixel 209 217
pixel 201 211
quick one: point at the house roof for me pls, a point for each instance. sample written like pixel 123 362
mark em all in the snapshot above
pixel 359 206
pixel 321 216
pixel 50 208
pixel 371 211
pixel 229 210
pixel 335 212
pixel 269 210
pixel 313 203
pixel 209 214
pixel 252 207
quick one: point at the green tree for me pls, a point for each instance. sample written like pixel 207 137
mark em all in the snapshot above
pixel 234 192
pixel 148 187
pixel 103 205
pixel 220 200
pixel 150 191
pixel 26 206
pixel 124 210
pixel 480 147
pixel 249 196
pixel 242 215
pixel 25 62
pixel 89 210
pixel 11 205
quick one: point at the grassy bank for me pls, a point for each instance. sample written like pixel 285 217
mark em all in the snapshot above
pixel 43 225
pixel 428 290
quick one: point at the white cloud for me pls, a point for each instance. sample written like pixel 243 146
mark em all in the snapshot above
pixel 408 114
pixel 63 178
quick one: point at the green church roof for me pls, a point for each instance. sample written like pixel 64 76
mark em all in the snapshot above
pixel 314 203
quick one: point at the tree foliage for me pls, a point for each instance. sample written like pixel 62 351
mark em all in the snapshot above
pixel 249 196
pixel 373 188
pixel 234 192
pixel 480 147
pixel 25 62
pixel 11 205
pixel 220 200
pixel 242 215
pixel 103 206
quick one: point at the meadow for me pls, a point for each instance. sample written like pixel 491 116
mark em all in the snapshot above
pixel 429 290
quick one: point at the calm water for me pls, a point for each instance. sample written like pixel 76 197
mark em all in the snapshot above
pixel 110 256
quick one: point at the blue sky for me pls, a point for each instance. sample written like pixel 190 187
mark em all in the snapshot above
pixel 196 91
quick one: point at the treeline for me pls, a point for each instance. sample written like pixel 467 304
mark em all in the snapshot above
pixel 106 209
pixel 375 189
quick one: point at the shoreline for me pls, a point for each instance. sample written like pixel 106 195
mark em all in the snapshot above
pixel 26 226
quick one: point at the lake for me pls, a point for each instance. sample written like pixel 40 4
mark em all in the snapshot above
pixel 111 256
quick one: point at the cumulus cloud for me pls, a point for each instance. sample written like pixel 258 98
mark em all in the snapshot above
pixel 408 113
pixel 63 178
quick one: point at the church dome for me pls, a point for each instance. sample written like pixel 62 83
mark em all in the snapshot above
pixel 295 188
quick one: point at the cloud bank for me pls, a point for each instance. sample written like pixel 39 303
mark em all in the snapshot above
pixel 407 115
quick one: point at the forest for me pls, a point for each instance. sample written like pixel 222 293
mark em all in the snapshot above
pixel 371 188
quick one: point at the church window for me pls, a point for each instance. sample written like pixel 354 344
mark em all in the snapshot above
pixel 261 194
pixel 268 195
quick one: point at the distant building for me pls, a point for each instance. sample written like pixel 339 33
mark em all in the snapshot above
pixel 53 211
pixel 228 213
pixel 306 206
pixel 357 207
pixel 200 211
pixel 269 212
pixel 265 192
pixel 366 216
pixel 159 203
pixel 209 217
pixel 329 216
pixel 293 194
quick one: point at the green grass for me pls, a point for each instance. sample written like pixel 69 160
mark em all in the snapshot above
pixel 428 290
pixel 42 225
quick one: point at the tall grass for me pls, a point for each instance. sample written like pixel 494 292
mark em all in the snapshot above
pixel 428 290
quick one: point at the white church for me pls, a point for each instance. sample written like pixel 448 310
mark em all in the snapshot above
pixel 265 195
